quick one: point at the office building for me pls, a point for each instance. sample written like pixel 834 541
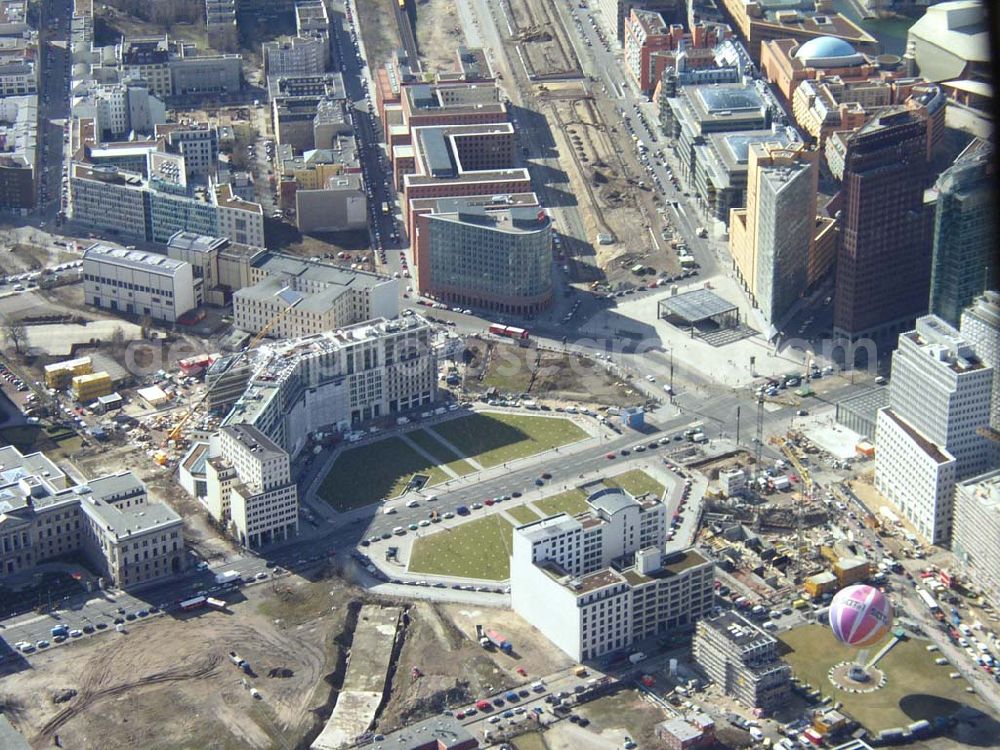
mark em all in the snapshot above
pixel 295 56
pixel 424 104
pixel 321 297
pixel 249 487
pixel 338 379
pixel 883 258
pixel 458 161
pixel 137 283
pixel 773 238
pixel 130 541
pixel 225 381
pixel 201 252
pixel 980 326
pixel 721 167
pixel 485 254
pixel 951 40
pixel 801 20
pixel 928 437
pixel 598 581
pixel 128 205
pixel 338 205
pixel 221 26
pixel 17 78
pixel 240 220
pixel 18 146
pixel 789 62
pixel 197 142
pixel 963 263
pixel 178 69
pixel 313 22
pixel 697 111
pixel 743 661
pixel 975 537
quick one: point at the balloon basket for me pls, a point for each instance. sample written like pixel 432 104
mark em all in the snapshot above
pixel 856 677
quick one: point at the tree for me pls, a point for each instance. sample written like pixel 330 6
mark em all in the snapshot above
pixel 118 340
pixel 16 333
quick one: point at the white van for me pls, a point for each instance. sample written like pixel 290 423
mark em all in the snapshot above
pixel 388 511
pixel 412 504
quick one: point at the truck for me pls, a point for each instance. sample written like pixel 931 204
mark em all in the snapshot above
pixel 226 578
pixel 481 637
pixel 239 661
pixel 637 657
pixel 510 332
pixel 216 604
pixel 60 630
pixel 499 641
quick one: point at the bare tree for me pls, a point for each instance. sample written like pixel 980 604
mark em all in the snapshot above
pixel 118 340
pixel 16 333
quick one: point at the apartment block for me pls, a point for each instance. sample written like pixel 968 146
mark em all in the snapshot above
pixel 337 205
pixel 249 486
pixel 313 296
pixel 598 581
pixel 131 542
pixel 119 109
pixel 743 660
pixel 18 78
pixel 975 535
pixel 178 68
pixel 137 283
pixel 651 46
pixel 338 379
pixel 240 220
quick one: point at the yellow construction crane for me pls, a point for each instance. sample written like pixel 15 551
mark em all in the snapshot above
pixel 989 433
pixel 176 430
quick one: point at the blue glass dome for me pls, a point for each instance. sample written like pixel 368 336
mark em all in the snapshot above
pixel 825 47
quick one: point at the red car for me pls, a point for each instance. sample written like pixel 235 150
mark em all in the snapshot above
pixel 488 501
pixel 609 456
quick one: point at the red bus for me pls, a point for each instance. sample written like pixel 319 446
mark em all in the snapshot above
pixel 511 332
pixel 191 604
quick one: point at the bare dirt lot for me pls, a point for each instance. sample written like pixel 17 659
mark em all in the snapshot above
pixel 539 33
pixel 176 676
pixel 378 30
pixel 439 33
pixel 453 669
pixel 544 374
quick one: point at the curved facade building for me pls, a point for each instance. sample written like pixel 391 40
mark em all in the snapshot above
pixel 497 260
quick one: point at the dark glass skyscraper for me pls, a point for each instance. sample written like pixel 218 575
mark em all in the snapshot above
pixel 883 259
pixel 964 232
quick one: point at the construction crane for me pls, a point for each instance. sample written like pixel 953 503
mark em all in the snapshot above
pixel 989 433
pixel 176 430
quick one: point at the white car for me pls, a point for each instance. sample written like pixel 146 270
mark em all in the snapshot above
pixel 650 378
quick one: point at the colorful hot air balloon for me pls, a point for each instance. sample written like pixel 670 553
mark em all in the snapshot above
pixel 860 615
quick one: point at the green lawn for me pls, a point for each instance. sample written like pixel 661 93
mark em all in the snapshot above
pixel 636 482
pixel 522 513
pixel 571 501
pixel 475 549
pixel 494 438
pixel 445 455
pixel 371 473
pixel 916 687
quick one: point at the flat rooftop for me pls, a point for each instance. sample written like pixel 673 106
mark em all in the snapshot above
pixel 672 565
pixel 738 630
pixel 930 449
pixel 136 259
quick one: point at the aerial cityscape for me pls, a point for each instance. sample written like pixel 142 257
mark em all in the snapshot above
pixel 514 374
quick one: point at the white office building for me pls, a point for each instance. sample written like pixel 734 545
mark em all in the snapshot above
pixel 137 283
pixel 976 533
pixel 249 486
pixel 338 379
pixel 980 326
pixel 131 542
pixel 321 297
pixel 929 435
pixel 599 581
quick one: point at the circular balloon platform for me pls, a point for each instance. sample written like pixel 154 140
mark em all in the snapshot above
pixel 852 677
